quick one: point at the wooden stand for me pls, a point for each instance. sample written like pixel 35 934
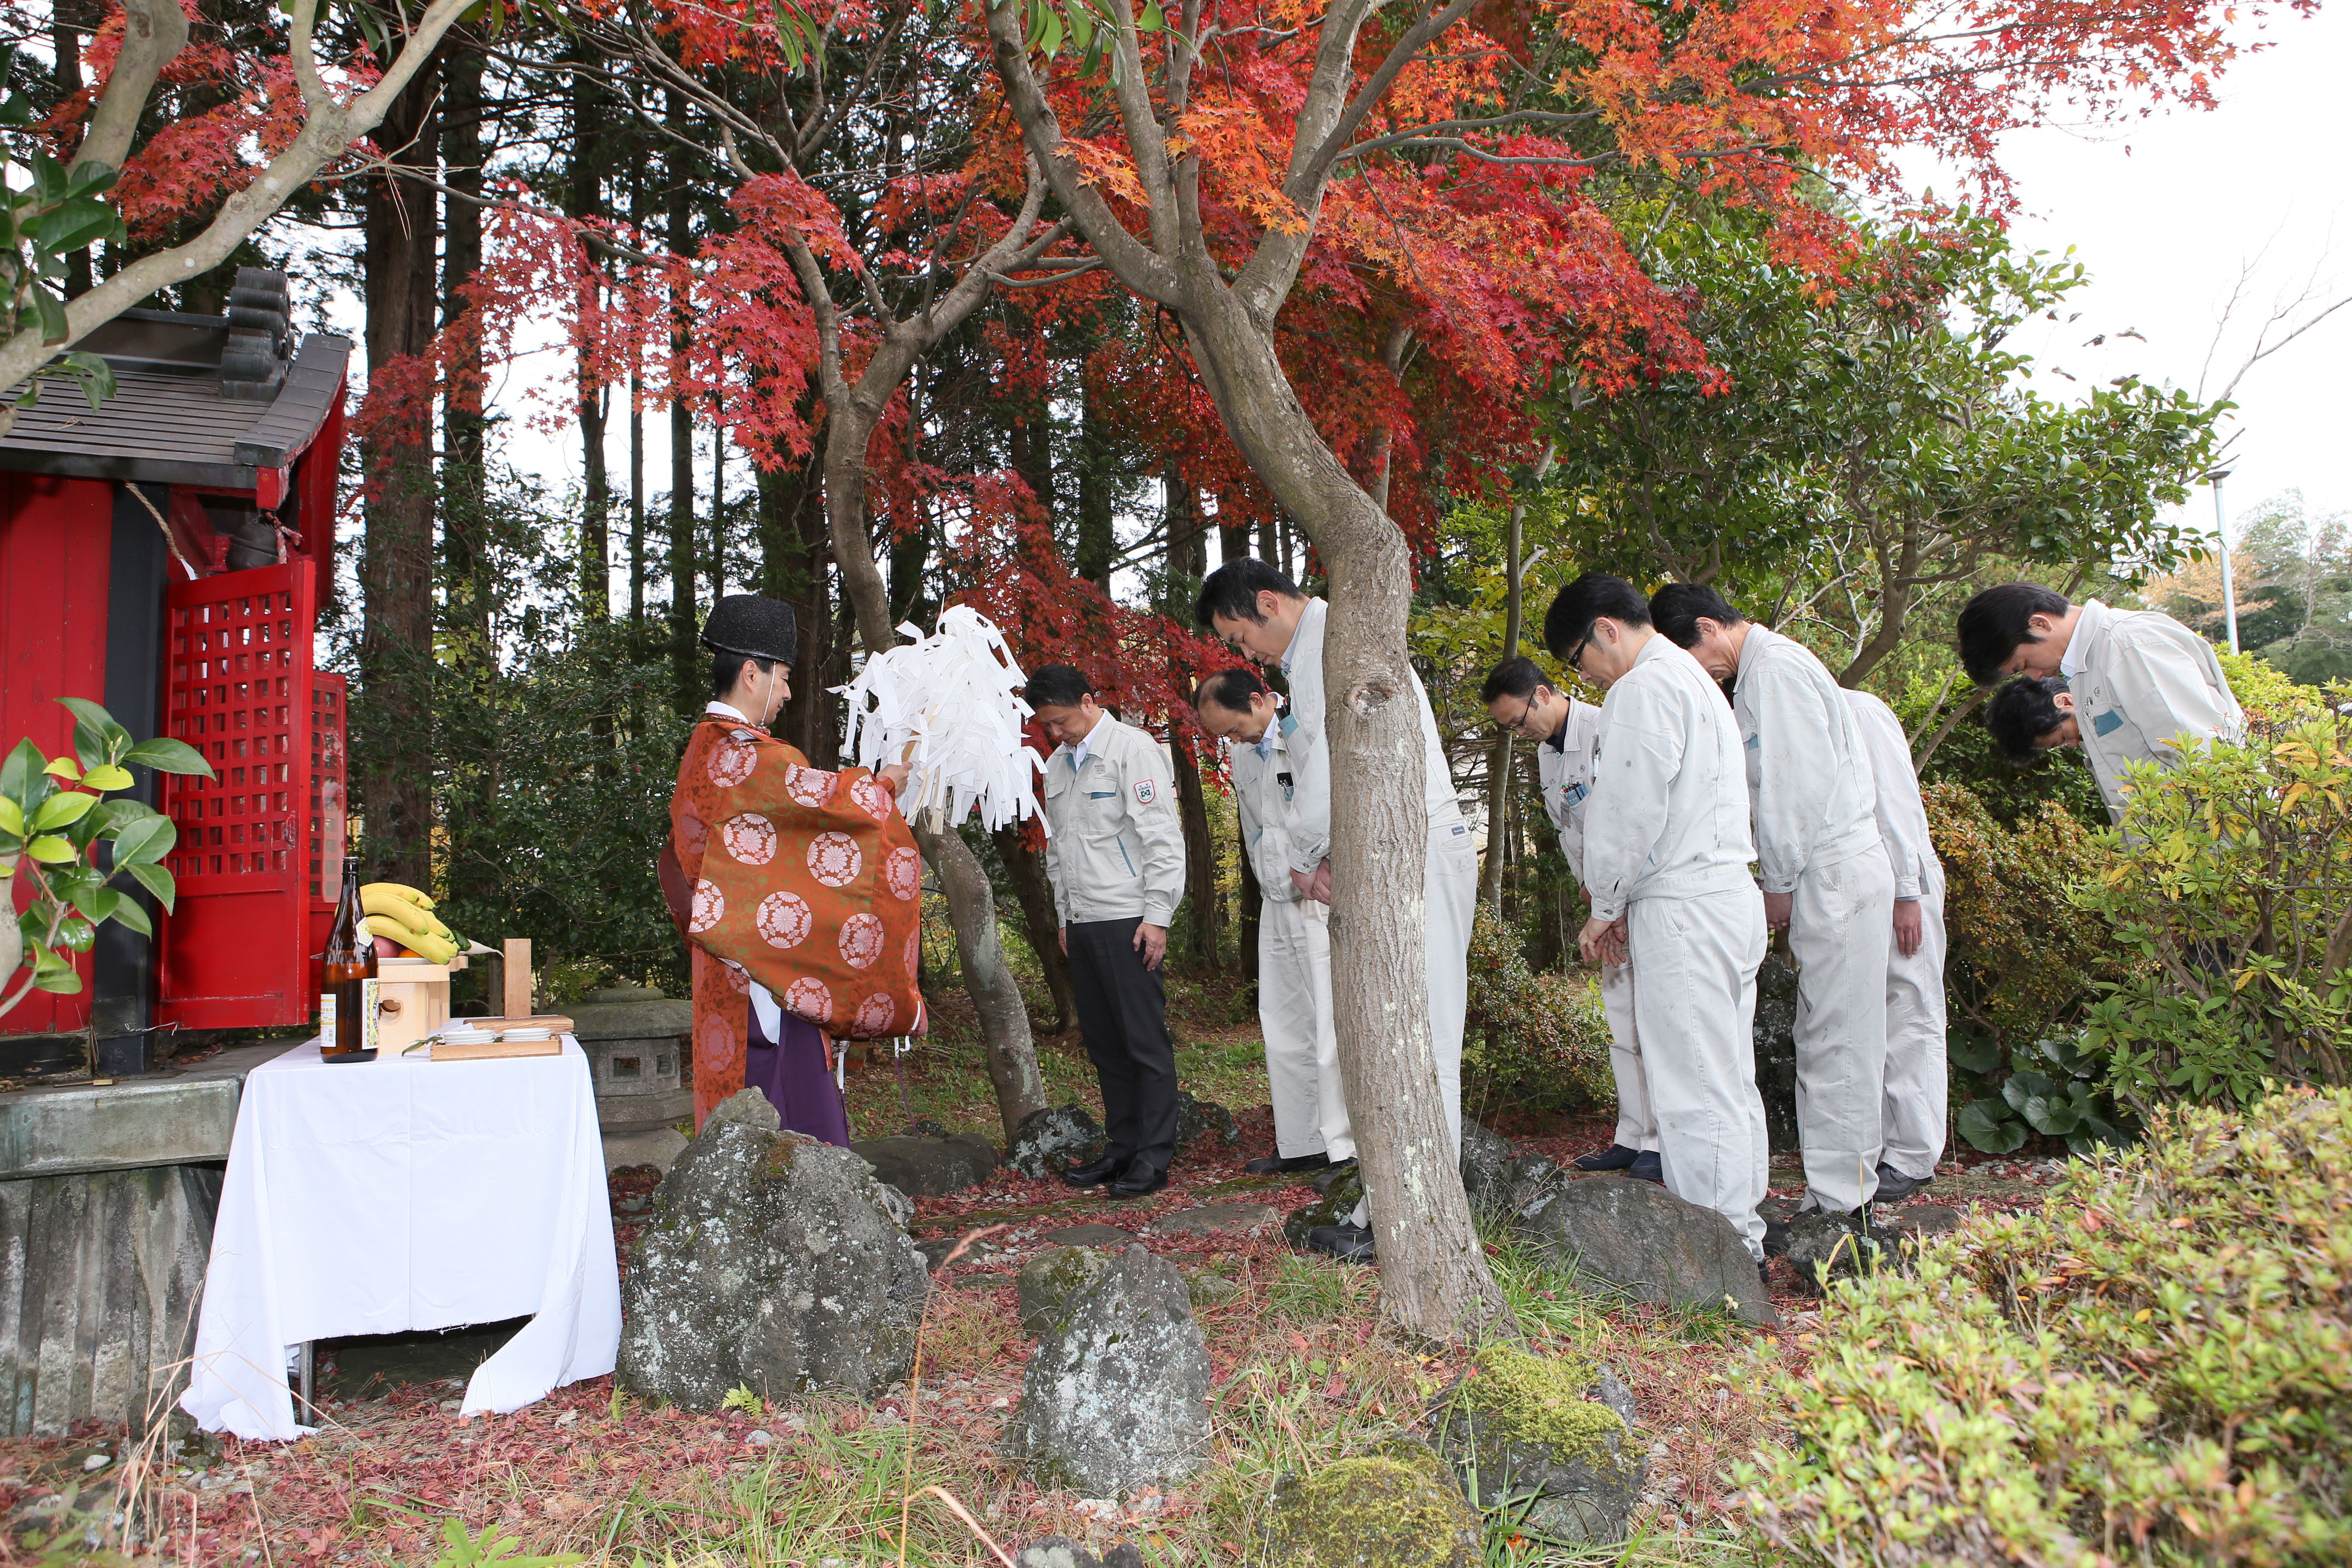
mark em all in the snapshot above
pixel 515 973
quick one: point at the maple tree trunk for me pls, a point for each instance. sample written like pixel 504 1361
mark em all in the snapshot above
pixel 465 548
pixel 1188 553
pixel 996 991
pixel 793 569
pixel 1025 869
pixel 401 280
pixel 1097 540
pixel 1499 755
pixel 683 645
pixel 1434 1275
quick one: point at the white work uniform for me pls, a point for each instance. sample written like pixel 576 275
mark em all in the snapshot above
pixel 1564 766
pixel 1913 1118
pixel 1449 871
pixel 1294 950
pixel 1666 847
pixel 1117 849
pixel 2141 679
pixel 1817 838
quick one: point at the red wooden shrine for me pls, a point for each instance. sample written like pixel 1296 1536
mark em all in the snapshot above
pixel 167 556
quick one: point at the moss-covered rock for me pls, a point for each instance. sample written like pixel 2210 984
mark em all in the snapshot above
pixel 1053 1281
pixel 1521 1424
pixel 1341 1194
pixel 1396 1506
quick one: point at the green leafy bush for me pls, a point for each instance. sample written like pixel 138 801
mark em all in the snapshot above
pixel 2022 970
pixel 1539 1041
pixel 2156 1368
pixel 2235 892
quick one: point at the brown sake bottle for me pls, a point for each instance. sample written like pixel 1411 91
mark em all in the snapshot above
pixel 350 960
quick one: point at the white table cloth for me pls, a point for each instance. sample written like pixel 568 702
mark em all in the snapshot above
pixel 404 1194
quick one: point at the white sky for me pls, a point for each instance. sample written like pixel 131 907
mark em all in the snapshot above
pixel 2168 213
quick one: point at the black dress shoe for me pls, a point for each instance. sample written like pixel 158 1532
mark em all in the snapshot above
pixel 1347 1243
pixel 1092 1173
pixel 1275 1165
pixel 1648 1167
pixel 1894 1186
pixel 1137 1184
pixel 1616 1157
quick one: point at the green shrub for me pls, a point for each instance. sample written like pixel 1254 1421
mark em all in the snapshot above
pixel 2021 970
pixel 2233 889
pixel 2156 1368
pixel 1539 1041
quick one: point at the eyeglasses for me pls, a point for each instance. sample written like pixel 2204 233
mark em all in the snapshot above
pixel 1575 659
pixel 1523 724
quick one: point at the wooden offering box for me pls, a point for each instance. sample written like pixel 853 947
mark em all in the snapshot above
pixel 416 1002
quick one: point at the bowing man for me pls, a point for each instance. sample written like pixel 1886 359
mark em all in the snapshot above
pixel 1825 873
pixel 1294 931
pixel 1260 613
pixel 1564 731
pixel 1116 859
pixel 1666 851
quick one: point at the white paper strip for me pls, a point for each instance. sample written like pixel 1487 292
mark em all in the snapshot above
pixel 956 697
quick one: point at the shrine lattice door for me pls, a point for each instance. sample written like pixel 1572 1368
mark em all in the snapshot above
pixel 239 688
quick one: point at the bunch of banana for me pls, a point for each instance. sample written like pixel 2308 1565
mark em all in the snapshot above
pixel 405 915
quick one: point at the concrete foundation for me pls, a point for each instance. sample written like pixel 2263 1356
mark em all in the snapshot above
pixel 107 1199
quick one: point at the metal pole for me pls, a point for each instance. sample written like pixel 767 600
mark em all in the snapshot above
pixel 2229 580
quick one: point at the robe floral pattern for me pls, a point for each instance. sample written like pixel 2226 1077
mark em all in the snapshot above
pixel 808 883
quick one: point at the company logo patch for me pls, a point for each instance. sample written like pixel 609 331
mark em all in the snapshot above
pixel 1146 792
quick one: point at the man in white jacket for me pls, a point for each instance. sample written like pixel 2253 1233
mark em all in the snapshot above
pixel 1912 1124
pixel 1825 874
pixel 1666 849
pixel 1564 732
pixel 1116 859
pixel 2144 686
pixel 1263 614
pixel 1294 931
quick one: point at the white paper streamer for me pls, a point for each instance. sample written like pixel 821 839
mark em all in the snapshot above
pixel 956 696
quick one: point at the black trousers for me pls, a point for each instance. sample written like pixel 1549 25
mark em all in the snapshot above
pixel 1123 1018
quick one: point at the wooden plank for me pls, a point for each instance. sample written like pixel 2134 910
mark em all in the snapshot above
pixel 491 1050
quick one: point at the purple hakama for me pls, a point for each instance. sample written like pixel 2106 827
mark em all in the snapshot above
pixel 792 1075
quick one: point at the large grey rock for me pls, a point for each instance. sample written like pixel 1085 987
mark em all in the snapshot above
pixel 1052 1282
pixel 1210 1217
pixel 100 1274
pixel 1638 1237
pixel 772 1261
pixel 1528 1430
pixel 929 1167
pixel 1115 1397
pixel 1775 1034
pixel 1395 1507
pixel 1198 1118
pixel 1341 1192
pixel 1088 1235
pixel 1826 1247
pixel 1061 1552
pixel 1049 1140
pixel 1486 1156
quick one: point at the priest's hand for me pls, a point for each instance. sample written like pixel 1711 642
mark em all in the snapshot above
pixel 1151 940
pixel 1906 926
pixel 895 778
pixel 1602 942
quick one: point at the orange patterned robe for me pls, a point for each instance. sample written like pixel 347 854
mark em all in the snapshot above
pixel 808 883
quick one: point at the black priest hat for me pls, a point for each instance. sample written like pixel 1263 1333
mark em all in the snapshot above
pixel 754 625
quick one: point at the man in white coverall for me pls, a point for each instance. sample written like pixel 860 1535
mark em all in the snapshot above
pixel 1825 874
pixel 1913 1120
pixel 1564 730
pixel 1294 933
pixel 1115 859
pixel 1261 613
pixel 1666 849
pixel 2142 685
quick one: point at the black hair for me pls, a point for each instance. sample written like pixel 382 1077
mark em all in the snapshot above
pixel 1677 608
pixel 1596 593
pixel 727 669
pixel 1993 625
pixel 1230 690
pixel 1057 686
pixel 2022 712
pixel 1513 678
pixel 1231 591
